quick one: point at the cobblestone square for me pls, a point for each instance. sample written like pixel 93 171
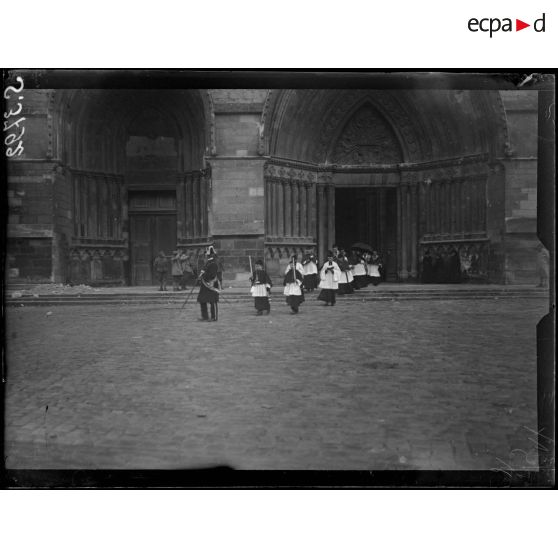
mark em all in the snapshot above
pixel 411 384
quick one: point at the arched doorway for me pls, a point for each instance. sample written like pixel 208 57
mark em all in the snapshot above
pixel 134 170
pixel 418 169
pixel 368 215
pixel 366 210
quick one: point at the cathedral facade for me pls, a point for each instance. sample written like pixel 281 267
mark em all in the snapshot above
pixel 110 177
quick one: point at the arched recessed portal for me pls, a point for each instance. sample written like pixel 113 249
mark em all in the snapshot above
pixel 135 175
pixel 366 212
pixel 412 173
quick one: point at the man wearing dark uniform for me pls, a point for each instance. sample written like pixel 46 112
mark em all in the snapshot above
pixel 209 288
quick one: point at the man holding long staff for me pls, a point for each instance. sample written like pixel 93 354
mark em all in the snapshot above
pixel 293 285
pixel 209 288
pixel 261 286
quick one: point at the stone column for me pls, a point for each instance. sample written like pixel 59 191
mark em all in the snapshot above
pixel 125 220
pixel 413 232
pixel 281 232
pixel 295 220
pixel 195 206
pixel 277 205
pixel 382 219
pixel 452 212
pixel 189 216
pixel 311 208
pixel 330 216
pixel 444 206
pixel 180 208
pixel 203 205
pixel 484 197
pixel 268 206
pixel 287 210
pixel 407 241
pixel 459 195
pixel 431 207
pixel 401 253
pixel 303 208
pixel 439 206
pixel 422 209
pixel 321 205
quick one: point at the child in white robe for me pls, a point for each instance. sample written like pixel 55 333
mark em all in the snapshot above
pixel 359 270
pixel 261 286
pixel 310 271
pixel 293 285
pixel 374 266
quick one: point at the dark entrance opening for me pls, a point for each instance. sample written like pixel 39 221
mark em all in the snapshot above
pixel 152 230
pixel 368 215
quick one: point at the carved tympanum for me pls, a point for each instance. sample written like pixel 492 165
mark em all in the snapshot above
pixel 367 139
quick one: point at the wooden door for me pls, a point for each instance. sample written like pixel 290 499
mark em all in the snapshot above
pixel 141 244
pixel 152 230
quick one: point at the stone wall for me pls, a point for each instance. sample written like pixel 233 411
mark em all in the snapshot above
pixel 29 259
pixel 520 239
pixel 235 252
pixel 29 191
pixel 236 220
pixel 40 191
pixel 30 221
pixel 237 134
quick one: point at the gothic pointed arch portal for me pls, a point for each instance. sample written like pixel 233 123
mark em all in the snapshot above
pixel 412 173
pixel 134 169
pixel 367 213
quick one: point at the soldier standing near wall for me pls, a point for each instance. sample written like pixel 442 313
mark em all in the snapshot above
pixel 177 269
pixel 161 267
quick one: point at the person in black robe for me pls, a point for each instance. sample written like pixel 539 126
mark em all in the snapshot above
pixel 261 287
pixel 439 266
pixel 209 288
pixel 453 266
pixel 346 280
pixel 428 274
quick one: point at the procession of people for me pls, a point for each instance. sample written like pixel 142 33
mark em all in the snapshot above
pixel 339 275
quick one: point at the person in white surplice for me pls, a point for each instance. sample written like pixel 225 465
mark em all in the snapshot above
pixel 329 275
pixel 261 287
pixel 294 276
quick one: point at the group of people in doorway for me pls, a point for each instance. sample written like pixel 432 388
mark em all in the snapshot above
pixel 444 266
pixel 340 274
pixel 177 266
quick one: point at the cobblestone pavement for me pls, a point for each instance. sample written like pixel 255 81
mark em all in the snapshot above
pixel 380 385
